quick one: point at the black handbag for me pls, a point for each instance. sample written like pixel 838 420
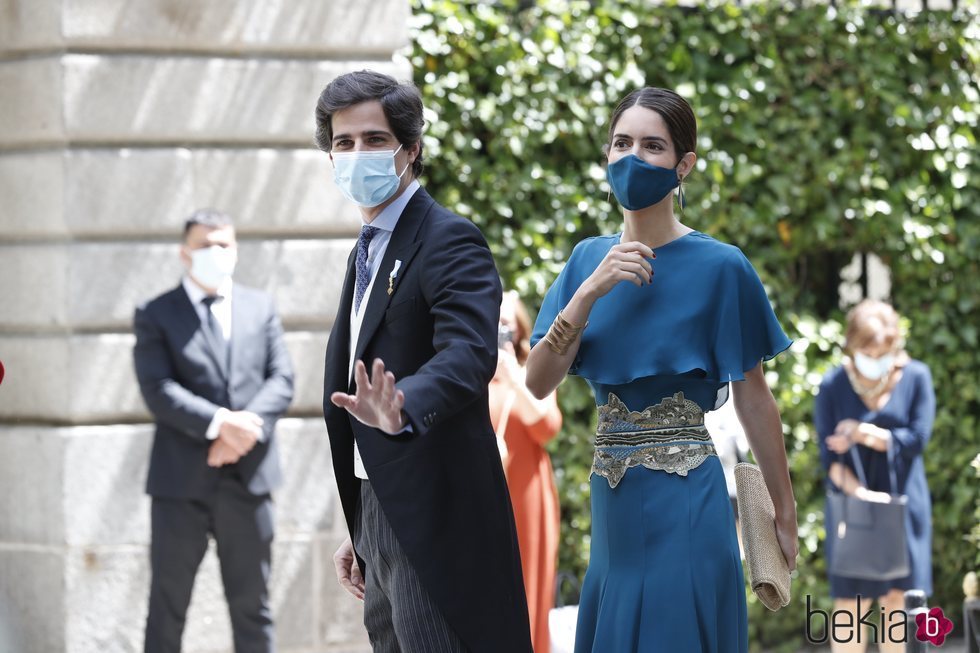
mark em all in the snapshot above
pixel 869 538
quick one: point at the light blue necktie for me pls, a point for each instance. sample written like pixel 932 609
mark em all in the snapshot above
pixel 360 264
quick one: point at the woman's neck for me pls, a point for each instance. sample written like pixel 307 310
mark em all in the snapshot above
pixel 655 225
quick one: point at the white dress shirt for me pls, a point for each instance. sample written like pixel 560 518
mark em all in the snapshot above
pixel 221 310
pixel 386 222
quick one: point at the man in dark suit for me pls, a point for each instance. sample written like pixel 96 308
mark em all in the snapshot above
pixel 214 371
pixel 414 454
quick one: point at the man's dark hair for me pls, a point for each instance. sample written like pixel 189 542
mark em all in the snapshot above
pixel 401 102
pixel 212 218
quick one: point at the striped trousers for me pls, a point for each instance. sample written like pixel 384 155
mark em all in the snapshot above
pixel 398 613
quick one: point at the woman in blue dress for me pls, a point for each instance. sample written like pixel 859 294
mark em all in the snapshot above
pixel 659 319
pixel 878 400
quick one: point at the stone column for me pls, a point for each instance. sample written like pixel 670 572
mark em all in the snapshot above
pixel 117 118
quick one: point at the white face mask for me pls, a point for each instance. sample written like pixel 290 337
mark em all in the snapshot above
pixel 367 178
pixel 873 368
pixel 212 266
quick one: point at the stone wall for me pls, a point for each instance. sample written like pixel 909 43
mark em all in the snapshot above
pixel 117 118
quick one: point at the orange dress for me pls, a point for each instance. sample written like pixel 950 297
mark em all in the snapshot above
pixel 534 495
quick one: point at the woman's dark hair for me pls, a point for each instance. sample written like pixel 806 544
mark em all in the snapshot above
pixel 401 102
pixel 674 109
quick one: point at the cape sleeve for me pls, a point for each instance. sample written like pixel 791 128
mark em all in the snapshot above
pixel 558 296
pixel 747 329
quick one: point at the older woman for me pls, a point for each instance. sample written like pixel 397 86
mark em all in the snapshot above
pixel 879 399
pixel 659 319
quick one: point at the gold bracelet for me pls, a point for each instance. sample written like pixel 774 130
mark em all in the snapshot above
pixel 562 334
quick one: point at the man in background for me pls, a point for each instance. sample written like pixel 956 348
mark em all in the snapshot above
pixel 214 371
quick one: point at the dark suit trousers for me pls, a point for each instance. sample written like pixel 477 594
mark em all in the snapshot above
pixel 242 526
pixel 398 613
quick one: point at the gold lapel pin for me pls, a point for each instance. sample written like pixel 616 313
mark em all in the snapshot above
pixel 391 277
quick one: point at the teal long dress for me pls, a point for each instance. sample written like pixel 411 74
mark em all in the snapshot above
pixel 664 573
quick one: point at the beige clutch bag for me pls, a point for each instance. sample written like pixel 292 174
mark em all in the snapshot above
pixel 768 572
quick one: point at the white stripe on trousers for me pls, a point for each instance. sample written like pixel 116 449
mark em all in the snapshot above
pixel 398 613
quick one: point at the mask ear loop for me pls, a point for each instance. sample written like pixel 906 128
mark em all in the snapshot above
pixel 407 165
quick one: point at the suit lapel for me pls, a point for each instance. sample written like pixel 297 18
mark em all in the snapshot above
pixel 184 310
pixel 338 347
pixel 402 247
pixel 239 320
pixel 189 314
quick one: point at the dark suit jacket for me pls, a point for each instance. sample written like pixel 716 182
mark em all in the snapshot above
pixel 184 381
pixel 442 486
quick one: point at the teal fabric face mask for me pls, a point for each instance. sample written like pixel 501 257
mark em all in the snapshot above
pixel 367 178
pixel 638 184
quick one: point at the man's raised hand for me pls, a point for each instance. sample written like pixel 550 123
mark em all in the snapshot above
pixel 377 402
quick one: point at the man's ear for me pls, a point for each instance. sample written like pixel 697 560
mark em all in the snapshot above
pixel 413 151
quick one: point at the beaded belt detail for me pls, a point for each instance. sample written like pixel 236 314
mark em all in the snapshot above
pixel 669 437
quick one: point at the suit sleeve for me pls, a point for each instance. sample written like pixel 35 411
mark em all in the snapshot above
pixel 273 398
pixel 462 287
pixel 169 401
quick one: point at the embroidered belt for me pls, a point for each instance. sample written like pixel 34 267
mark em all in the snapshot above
pixel 669 437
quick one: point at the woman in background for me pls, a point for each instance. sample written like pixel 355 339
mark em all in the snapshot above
pixel 524 426
pixel 878 399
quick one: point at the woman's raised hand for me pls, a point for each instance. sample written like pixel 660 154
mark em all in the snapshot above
pixel 624 262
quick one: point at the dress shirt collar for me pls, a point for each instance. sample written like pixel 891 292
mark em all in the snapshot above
pixel 196 294
pixel 388 217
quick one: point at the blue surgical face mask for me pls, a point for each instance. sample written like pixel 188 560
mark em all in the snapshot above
pixel 638 184
pixel 367 178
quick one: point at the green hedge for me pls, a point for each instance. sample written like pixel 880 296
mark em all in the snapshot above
pixel 823 132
